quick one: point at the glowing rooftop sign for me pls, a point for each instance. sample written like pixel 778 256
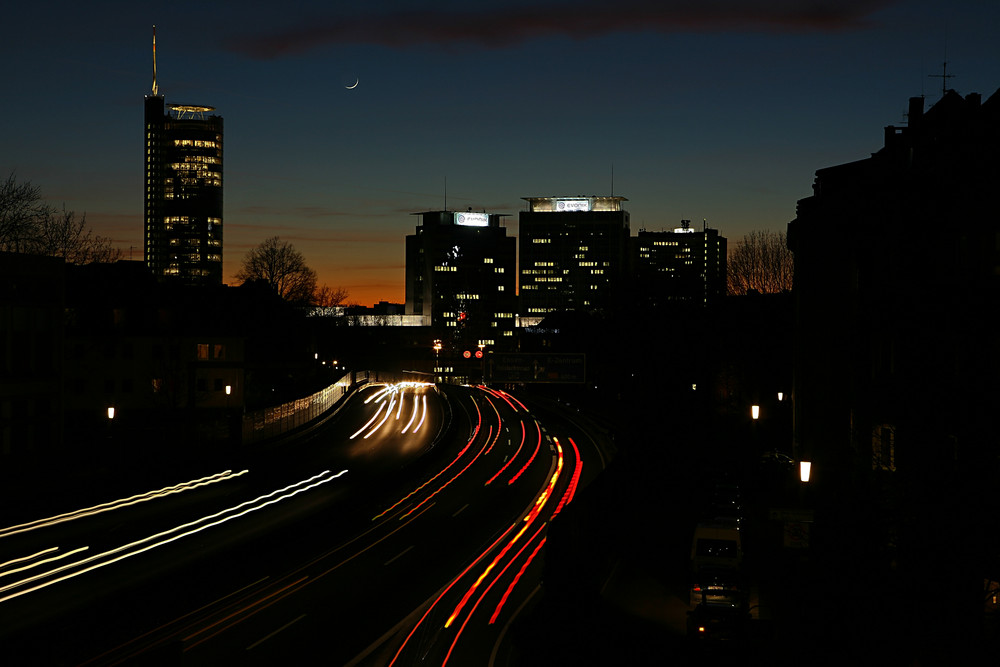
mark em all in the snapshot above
pixel 572 204
pixel 470 219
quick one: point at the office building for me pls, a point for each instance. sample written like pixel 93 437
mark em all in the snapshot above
pixel 460 276
pixel 683 265
pixel 182 215
pixel 573 254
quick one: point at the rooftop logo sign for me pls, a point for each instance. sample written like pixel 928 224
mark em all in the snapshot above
pixel 572 205
pixel 470 219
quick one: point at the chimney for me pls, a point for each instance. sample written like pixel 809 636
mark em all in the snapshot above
pixel 916 112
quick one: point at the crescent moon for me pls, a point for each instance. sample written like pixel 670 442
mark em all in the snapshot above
pixel 356 82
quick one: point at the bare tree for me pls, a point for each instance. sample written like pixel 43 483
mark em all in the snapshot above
pixel 330 297
pixel 21 209
pixel 281 266
pixel 761 261
pixel 28 225
pixel 64 235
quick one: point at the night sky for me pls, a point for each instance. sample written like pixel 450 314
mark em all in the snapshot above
pixel 710 110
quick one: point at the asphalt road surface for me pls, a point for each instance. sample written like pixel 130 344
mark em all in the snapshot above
pixel 409 528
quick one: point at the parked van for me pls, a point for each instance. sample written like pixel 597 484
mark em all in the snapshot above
pixel 716 546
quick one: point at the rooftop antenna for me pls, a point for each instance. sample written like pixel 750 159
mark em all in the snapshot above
pixel 944 76
pixel 156 89
pixel 612 179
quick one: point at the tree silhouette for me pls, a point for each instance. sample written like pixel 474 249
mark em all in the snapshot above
pixel 761 262
pixel 28 225
pixel 330 297
pixel 278 264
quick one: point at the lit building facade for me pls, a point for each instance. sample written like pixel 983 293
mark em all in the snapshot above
pixel 573 254
pixel 460 276
pixel 682 265
pixel 183 192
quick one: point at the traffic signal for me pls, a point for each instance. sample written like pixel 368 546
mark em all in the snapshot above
pixel 466 354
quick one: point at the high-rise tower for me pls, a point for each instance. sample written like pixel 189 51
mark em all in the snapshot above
pixel 573 254
pixel 183 190
pixel 460 275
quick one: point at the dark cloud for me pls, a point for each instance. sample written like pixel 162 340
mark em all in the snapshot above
pixel 512 25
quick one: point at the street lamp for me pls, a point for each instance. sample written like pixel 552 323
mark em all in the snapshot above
pixel 805 467
pixel 781 396
pixel 111 412
pixel 755 412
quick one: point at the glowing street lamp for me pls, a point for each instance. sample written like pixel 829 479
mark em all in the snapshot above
pixel 805 467
pixel 111 412
pixel 781 396
pixel 755 412
pixel 229 389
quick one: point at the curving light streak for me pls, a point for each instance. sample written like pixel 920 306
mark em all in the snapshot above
pixel 547 493
pixel 574 480
pixel 388 413
pixel 517 577
pixel 472 611
pixel 374 417
pixel 512 458
pixel 498 394
pixel 538 446
pixel 395 392
pixel 445 592
pixel 423 415
pixel 27 558
pixel 123 502
pixel 42 562
pixel 150 543
pixel 380 393
pixel 499 424
pixel 441 472
pixel 413 415
pixel 540 502
pixel 503 393
pixel 529 518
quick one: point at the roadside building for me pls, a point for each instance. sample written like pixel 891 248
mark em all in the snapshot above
pixel 460 277
pixel 573 255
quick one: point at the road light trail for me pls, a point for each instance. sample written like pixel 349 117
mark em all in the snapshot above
pixel 118 504
pixel 140 546
pixel 413 415
pixel 44 561
pixel 370 421
pixel 538 446
pixel 385 418
pixel 512 458
pixel 23 559
pixel 472 611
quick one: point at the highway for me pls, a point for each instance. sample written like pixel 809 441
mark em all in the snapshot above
pixel 409 528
